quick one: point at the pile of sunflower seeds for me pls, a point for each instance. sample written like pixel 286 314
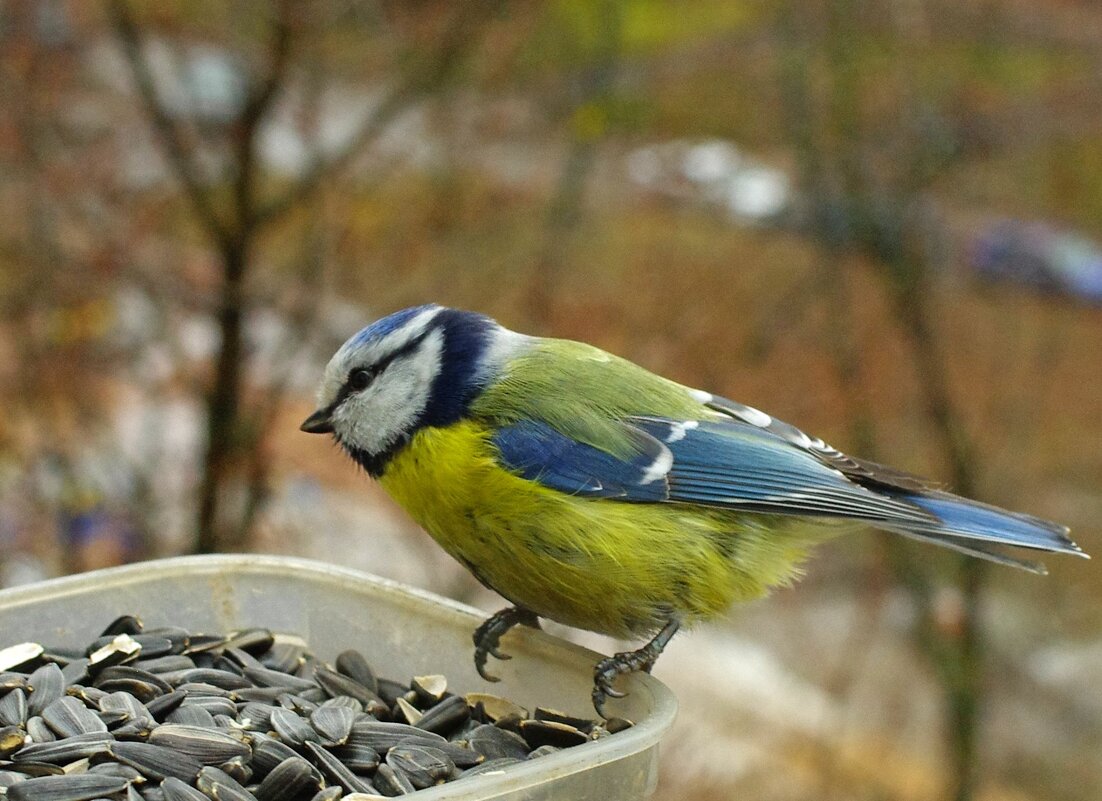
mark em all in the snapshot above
pixel 168 715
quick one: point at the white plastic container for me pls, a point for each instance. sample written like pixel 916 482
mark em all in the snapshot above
pixel 402 632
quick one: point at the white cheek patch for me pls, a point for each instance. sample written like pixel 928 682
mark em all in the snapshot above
pixel 376 419
pixel 353 353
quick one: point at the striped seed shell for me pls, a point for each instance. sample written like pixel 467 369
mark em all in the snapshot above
pixel 445 716
pixel 383 736
pixel 335 684
pixel 72 787
pixel 176 790
pixel 352 664
pixel 495 743
pixel 67 716
pixel 333 723
pixel 269 752
pixel 13 708
pixel 207 746
pixel 265 677
pixel 217 784
pixel 335 770
pixel 290 779
pixel 38 731
pixel 291 728
pixel 48 684
pixel 462 755
pixel 61 752
pixel 154 761
pixel 392 781
pixel 191 716
pixel 423 766
pixel 359 758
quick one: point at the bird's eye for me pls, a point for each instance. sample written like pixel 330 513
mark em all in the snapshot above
pixel 360 379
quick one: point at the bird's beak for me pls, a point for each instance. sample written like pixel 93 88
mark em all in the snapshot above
pixel 317 423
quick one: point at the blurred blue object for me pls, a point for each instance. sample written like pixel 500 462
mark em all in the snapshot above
pixel 1037 255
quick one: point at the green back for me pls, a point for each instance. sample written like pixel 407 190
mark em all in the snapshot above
pixel 583 392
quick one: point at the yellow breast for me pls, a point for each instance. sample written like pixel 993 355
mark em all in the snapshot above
pixel 603 565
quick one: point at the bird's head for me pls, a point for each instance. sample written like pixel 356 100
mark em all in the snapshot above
pixel 418 367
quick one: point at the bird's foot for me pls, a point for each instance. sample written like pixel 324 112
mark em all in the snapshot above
pixel 488 636
pixel 610 668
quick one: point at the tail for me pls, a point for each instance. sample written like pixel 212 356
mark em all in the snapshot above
pixel 979 530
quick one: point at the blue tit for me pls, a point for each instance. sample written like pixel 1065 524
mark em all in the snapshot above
pixel 587 490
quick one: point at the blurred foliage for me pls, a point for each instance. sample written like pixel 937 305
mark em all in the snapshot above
pixel 504 183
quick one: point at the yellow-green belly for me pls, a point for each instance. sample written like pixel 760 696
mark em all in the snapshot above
pixel 597 564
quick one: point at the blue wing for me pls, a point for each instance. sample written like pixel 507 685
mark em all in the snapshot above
pixel 768 468
pixel 707 463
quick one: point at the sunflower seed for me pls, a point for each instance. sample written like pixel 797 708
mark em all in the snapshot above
pixel 47 684
pixel 18 656
pixel 462 755
pixel 164 705
pixel 494 743
pixel 11 740
pixel 67 716
pixel 166 664
pixel 220 786
pixel 335 683
pixel 491 708
pixel 430 689
pixel 124 624
pixel 38 731
pixel 76 787
pixel 424 767
pixel 392 781
pixel 335 792
pixel 549 732
pixel 154 761
pixel 286 656
pixel 337 771
pixel 334 723
pixel 407 712
pixel 13 708
pixel 292 729
pixel 352 664
pixel 176 790
pixel 264 677
pixel 358 758
pixel 288 780
pixel 61 752
pixel 207 746
pixel 445 716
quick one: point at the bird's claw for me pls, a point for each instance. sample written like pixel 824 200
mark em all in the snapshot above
pixel 487 637
pixel 612 667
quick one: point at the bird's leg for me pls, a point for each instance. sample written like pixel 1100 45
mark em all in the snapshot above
pixel 611 667
pixel 488 636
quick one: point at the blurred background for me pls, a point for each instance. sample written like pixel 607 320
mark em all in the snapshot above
pixel 879 220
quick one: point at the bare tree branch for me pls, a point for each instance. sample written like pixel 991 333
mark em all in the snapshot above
pixel 170 133
pixel 456 43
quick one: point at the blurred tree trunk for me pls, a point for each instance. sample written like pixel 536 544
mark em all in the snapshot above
pixel 589 120
pixel 850 210
pixel 231 485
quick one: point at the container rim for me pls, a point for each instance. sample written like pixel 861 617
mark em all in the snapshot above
pixel 640 737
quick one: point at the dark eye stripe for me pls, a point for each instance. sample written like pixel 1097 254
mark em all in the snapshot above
pixel 376 369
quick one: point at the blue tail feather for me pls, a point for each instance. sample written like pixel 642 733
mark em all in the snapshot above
pixel 964 524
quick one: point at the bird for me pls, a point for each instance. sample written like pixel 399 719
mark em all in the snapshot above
pixel 587 490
